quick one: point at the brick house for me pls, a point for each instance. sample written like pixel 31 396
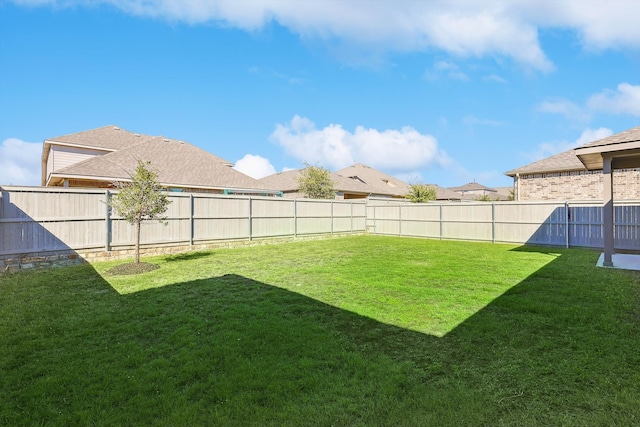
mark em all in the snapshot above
pixel 564 177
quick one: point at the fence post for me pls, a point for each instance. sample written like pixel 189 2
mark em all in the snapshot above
pixel 440 220
pixel 332 217
pixel 493 222
pixel 399 220
pixel 351 214
pixel 191 219
pixel 107 220
pixel 250 218
pixel 295 217
pixel 566 223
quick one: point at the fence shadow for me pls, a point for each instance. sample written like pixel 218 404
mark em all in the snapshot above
pixel 581 226
pixel 27 243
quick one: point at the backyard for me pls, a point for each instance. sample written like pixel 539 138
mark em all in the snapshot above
pixel 363 330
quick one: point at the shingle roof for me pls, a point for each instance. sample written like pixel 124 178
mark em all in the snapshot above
pixel 629 135
pixel 569 161
pixel 380 182
pixel 472 186
pixel 565 161
pixel 109 138
pixel 447 194
pixel 289 181
pixel 178 163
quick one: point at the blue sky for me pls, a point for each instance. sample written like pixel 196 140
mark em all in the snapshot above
pixel 432 92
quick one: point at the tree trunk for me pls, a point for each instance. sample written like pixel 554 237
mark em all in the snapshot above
pixel 137 256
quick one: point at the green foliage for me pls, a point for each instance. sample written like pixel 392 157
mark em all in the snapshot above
pixel 484 198
pixel 316 183
pixel 140 200
pixel 421 193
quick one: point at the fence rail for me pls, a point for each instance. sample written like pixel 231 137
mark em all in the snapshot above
pixel 569 224
pixel 37 220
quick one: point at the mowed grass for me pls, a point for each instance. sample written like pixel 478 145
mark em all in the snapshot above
pixel 357 331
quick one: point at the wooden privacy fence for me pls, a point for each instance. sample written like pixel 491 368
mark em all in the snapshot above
pixel 37 220
pixel 539 223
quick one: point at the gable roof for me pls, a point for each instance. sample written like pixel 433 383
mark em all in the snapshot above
pixel 472 186
pixel 380 182
pixel 569 160
pixel 108 138
pixel 289 181
pixel 178 164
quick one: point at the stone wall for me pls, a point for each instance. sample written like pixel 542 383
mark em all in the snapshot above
pixel 577 185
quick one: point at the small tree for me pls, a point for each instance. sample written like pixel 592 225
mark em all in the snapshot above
pixel 316 183
pixel 141 199
pixel 421 193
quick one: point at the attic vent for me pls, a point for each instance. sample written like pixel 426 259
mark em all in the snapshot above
pixel 136 134
pixel 389 183
pixel 357 178
pixel 116 128
pixel 165 139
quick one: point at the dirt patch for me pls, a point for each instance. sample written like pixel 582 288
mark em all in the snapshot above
pixel 131 268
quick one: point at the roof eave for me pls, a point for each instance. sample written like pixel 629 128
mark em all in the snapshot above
pixel 592 156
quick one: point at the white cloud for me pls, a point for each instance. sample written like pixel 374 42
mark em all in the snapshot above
pixel 626 100
pixel 334 147
pixel 20 162
pixel 565 108
pixel 445 68
pixel 255 166
pixel 473 28
pixel 547 149
pixel 495 78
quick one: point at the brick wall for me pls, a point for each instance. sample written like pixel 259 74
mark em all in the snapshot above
pixel 577 185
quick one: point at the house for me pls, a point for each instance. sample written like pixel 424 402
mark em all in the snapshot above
pixel 99 157
pixel 383 185
pixel 565 177
pixel 354 182
pixel 288 183
pixel 475 191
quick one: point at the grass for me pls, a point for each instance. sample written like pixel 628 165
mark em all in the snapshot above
pixel 353 331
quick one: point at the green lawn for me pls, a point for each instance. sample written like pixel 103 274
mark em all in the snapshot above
pixel 363 330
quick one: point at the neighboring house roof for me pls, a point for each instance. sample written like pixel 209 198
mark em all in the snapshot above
pixel 365 180
pixel 178 164
pixel 289 181
pixel 380 182
pixel 447 194
pixel 569 161
pixel 472 186
pixel 108 138
pixel 505 192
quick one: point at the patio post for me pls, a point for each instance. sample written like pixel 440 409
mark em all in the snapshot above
pixel 607 211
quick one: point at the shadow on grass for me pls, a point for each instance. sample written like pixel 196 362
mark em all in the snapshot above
pixel 187 256
pixel 561 347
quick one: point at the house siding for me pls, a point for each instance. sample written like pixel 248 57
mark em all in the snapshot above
pixel 61 157
pixel 577 185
